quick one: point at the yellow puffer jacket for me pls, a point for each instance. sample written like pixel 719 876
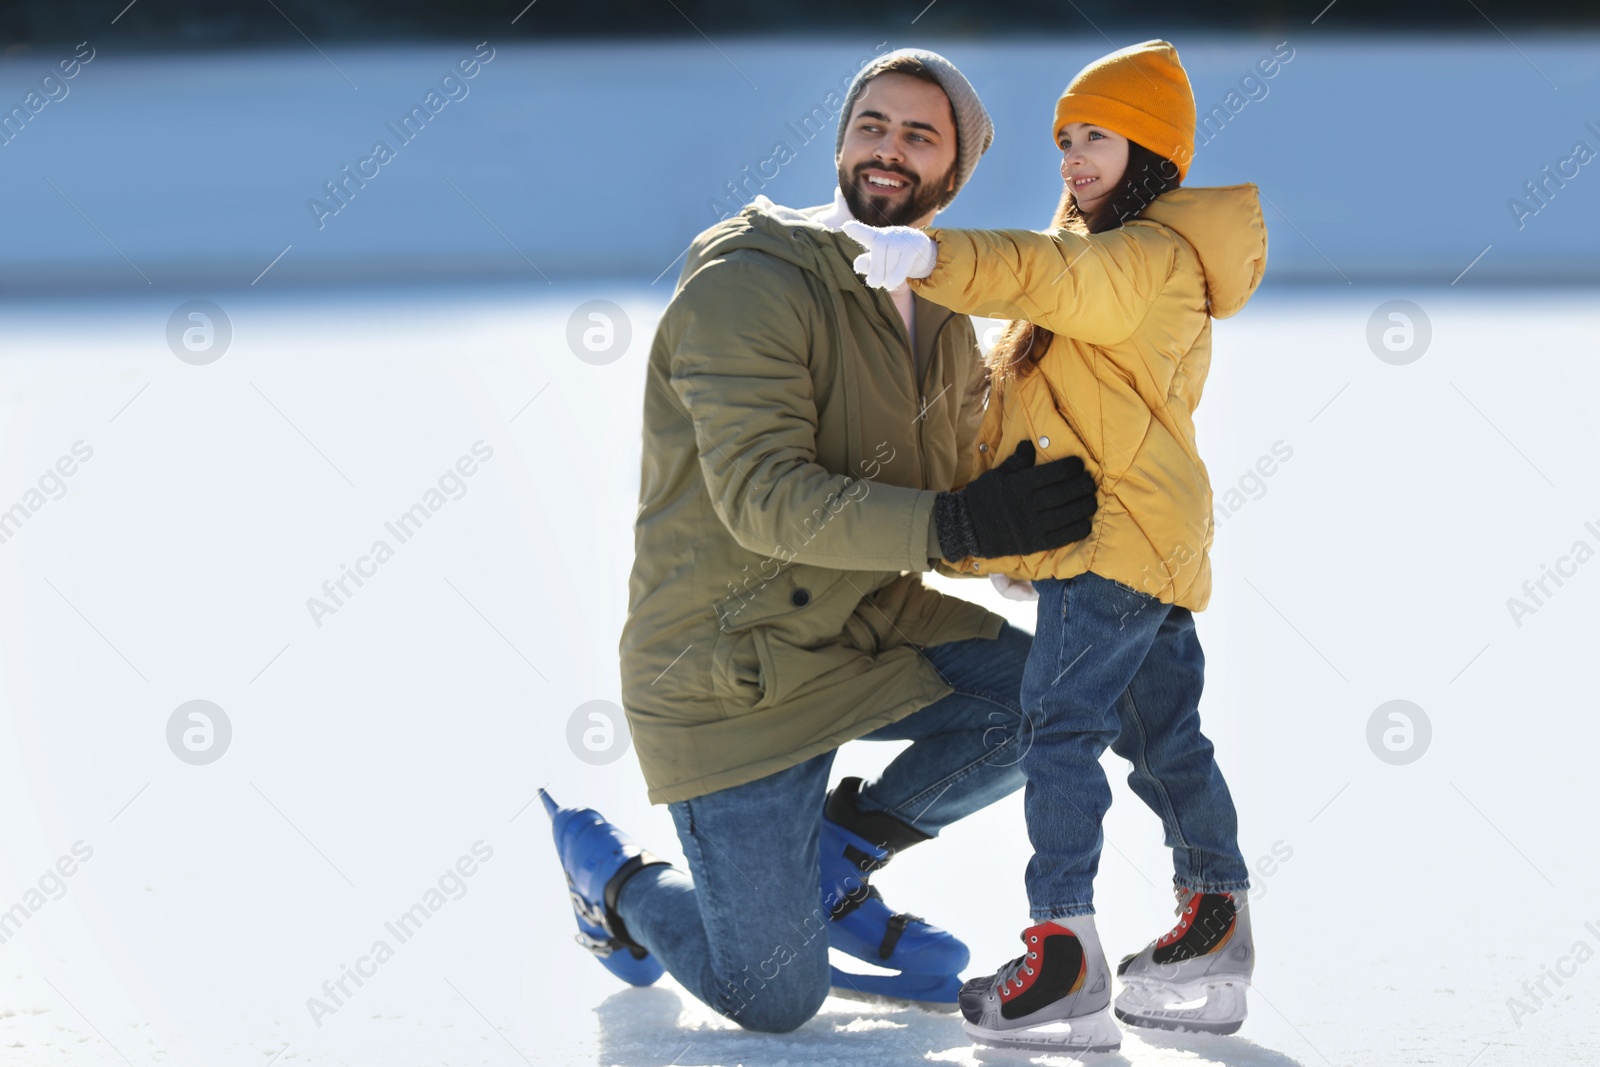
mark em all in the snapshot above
pixel 1131 310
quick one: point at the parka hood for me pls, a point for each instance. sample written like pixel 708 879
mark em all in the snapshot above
pixel 792 235
pixel 1225 228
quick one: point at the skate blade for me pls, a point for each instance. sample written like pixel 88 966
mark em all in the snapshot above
pixel 936 955
pixel 1216 1007
pixel 883 1000
pixel 1089 1033
pixel 935 993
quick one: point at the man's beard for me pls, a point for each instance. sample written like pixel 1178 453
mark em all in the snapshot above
pixel 878 211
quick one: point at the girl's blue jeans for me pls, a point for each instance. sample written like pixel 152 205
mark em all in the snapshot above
pixel 1111 666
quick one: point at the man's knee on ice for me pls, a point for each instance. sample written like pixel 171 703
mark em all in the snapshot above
pixel 776 1007
pixel 779 1014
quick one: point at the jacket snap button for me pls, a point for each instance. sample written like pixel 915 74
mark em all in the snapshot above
pixel 1044 442
pixel 983 447
pixel 800 598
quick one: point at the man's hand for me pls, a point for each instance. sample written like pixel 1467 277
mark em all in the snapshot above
pixel 893 254
pixel 1017 508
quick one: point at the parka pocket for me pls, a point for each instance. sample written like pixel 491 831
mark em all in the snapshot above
pixel 757 668
pixel 736 668
pixel 798 631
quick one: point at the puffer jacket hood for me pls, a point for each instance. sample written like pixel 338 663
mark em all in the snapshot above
pixel 1226 230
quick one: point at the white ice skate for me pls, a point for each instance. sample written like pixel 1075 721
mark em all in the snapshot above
pixel 1193 977
pixel 1053 998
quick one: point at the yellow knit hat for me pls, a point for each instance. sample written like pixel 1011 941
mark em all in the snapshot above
pixel 1141 92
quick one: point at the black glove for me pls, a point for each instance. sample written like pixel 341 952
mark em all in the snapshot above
pixel 1016 509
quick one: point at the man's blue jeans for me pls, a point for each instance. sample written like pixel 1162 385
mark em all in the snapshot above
pixel 748 935
pixel 1112 666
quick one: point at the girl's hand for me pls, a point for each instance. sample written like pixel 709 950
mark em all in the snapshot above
pixel 893 253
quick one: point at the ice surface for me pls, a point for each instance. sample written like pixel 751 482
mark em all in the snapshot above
pixel 369 754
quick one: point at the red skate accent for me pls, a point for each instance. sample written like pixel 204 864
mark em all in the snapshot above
pixel 1034 938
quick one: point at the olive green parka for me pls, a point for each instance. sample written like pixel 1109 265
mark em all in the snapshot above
pixel 793 444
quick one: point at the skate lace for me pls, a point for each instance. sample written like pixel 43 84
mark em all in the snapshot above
pixel 1185 913
pixel 1011 973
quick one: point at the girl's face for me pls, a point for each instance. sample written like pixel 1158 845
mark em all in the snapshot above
pixel 1093 161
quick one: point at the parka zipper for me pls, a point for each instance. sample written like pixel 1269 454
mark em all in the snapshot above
pixel 919 377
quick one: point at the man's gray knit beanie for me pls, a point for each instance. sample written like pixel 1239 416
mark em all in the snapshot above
pixel 974 131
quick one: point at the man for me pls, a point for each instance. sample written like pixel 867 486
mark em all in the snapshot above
pixel 806 439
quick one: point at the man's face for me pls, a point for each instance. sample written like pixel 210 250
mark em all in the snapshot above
pixel 898 159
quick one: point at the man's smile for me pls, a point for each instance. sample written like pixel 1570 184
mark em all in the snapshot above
pixel 884 181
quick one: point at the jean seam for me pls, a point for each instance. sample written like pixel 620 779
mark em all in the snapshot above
pixel 1169 813
pixel 1061 643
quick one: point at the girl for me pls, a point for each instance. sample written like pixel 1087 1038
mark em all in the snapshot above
pixel 1106 360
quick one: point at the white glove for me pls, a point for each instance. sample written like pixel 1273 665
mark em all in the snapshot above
pixel 1014 588
pixel 893 253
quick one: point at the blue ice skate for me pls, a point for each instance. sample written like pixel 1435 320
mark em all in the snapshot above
pixel 854 844
pixel 597 858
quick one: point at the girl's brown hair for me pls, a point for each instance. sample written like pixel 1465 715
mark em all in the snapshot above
pixel 1149 175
